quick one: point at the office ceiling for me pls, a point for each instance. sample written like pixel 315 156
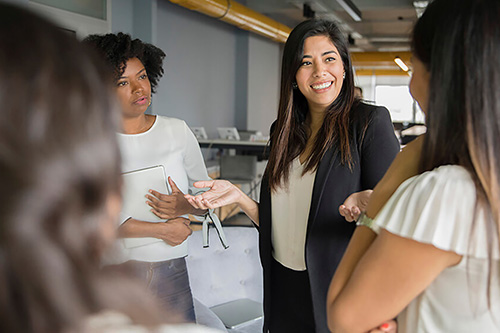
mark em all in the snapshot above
pixel 385 25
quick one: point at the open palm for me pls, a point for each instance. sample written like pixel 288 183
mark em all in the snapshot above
pixel 221 193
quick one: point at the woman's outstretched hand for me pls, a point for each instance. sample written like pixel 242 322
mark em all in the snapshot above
pixel 221 193
pixel 354 205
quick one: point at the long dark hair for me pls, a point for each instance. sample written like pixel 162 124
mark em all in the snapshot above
pixel 59 165
pixel 459 43
pixel 289 137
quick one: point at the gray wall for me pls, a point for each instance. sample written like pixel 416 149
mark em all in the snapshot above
pixel 121 16
pixel 263 82
pixel 216 75
pixel 200 81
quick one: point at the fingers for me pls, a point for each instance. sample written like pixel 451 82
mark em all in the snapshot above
pixel 192 201
pixel 173 185
pixel 387 327
pixel 355 212
pixel 152 200
pixel 175 231
pixel 158 195
pixel 180 219
pixel 200 202
pixel 160 214
pixel 347 213
pixel 157 204
pixel 204 183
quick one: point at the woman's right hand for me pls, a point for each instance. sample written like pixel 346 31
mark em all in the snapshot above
pixel 174 231
pixel 221 193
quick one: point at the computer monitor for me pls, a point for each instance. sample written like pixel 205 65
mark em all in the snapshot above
pixel 228 133
pixel 199 133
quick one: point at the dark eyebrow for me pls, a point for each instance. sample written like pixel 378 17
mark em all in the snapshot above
pixel 139 72
pixel 323 54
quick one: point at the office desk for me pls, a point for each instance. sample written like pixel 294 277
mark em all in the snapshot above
pixel 248 147
pixel 232 144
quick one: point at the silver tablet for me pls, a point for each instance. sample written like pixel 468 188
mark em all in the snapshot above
pixel 136 184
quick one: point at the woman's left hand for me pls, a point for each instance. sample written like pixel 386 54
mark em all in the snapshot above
pixel 354 205
pixel 169 206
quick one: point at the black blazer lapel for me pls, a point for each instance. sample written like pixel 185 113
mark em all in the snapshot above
pixel 324 167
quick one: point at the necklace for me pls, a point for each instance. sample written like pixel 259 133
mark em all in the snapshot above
pixel 143 128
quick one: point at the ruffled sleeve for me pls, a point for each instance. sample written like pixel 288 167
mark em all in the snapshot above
pixel 439 208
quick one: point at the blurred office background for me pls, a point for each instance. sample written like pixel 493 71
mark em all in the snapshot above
pixel 218 74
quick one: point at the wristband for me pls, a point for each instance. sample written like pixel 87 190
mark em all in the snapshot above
pixel 364 220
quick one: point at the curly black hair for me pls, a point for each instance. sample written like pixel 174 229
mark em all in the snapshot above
pixel 118 48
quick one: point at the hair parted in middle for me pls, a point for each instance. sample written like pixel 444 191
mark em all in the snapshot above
pixel 289 135
pixel 118 48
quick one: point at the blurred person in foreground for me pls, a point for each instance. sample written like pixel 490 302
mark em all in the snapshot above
pixel 432 250
pixel 60 188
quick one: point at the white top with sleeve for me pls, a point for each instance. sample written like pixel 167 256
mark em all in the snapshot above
pixel 290 206
pixel 438 208
pixel 169 142
pixel 116 322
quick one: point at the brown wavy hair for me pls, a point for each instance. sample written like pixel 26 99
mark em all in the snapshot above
pixel 459 43
pixel 289 134
pixel 59 164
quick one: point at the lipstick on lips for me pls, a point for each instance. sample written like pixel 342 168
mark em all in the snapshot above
pixel 141 101
pixel 321 86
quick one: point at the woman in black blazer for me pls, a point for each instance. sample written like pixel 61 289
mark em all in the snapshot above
pixel 343 146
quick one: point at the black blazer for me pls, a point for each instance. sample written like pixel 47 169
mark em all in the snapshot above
pixel 374 147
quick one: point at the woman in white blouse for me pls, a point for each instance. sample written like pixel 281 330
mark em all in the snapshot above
pixel 150 140
pixel 432 251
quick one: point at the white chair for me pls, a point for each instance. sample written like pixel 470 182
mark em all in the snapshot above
pixel 218 276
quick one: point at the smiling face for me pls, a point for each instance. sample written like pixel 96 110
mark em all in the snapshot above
pixel 320 76
pixel 133 89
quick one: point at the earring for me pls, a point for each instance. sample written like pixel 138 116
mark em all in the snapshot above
pixel 344 76
pixel 294 85
pixel 150 98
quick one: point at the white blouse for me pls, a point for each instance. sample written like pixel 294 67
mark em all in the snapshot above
pixel 117 322
pixel 438 208
pixel 169 142
pixel 290 211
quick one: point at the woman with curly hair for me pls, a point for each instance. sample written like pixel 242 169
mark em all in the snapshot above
pixel 149 140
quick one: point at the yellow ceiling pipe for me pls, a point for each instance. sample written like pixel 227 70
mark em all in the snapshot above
pixel 374 59
pixel 381 72
pixel 240 16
